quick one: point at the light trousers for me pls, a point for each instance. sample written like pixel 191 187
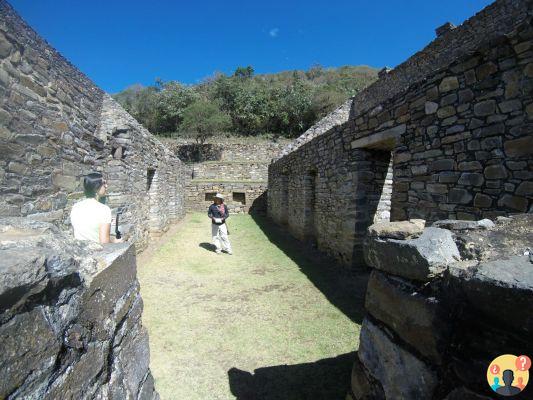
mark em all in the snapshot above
pixel 220 237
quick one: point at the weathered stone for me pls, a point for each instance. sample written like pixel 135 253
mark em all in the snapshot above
pixel 387 362
pixel 416 259
pixel 431 107
pixel 460 196
pixel 497 171
pixel 471 179
pixel 5 46
pixel 510 105
pixel 470 166
pixel 397 230
pixel 502 289
pixel 449 83
pixel 423 327
pixel 513 202
pixel 446 112
pixel 363 386
pixel 443 165
pixel 519 147
pixel 482 200
pixel 461 225
pixel 466 96
pixel 485 70
pixel 525 189
pixel 484 108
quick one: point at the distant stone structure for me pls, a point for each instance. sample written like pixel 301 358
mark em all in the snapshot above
pixel 442 303
pixel 56 126
pixel 70 317
pixel 239 171
pixel 446 134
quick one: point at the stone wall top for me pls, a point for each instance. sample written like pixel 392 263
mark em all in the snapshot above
pixel 497 19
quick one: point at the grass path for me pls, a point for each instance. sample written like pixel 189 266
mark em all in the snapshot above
pixel 272 321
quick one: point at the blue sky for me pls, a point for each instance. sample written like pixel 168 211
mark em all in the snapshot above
pixel 118 42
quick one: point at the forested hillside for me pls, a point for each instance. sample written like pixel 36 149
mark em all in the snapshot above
pixel 285 104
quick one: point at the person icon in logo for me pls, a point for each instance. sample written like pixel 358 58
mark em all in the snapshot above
pixel 520 383
pixel 508 389
pixel 496 383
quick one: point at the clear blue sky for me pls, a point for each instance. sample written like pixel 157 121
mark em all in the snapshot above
pixel 121 42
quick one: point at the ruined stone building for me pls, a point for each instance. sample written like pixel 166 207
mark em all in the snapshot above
pixel 447 135
pixel 239 171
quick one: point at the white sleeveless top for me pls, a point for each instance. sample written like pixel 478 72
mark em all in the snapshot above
pixel 87 216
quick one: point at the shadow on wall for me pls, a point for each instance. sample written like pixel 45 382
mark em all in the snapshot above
pixel 343 288
pixel 323 379
pixel 259 205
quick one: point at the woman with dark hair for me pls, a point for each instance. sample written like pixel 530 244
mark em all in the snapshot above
pixel 91 219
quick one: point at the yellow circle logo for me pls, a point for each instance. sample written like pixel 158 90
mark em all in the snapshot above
pixel 508 374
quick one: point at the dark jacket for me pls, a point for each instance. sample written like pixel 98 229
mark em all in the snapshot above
pixel 213 212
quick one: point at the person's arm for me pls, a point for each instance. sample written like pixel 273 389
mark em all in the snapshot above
pixel 226 212
pixel 105 228
pixel 210 213
pixel 105 236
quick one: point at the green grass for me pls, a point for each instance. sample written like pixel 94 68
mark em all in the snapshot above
pixel 272 307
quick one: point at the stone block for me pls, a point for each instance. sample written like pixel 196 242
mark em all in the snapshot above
pixel 502 289
pixel 497 171
pixel 513 202
pixel 525 189
pixel 397 230
pixel 485 70
pixel 363 386
pixel 482 200
pixel 430 107
pixel 443 165
pixel 448 177
pixel 446 112
pixel 470 166
pixel 418 320
pixel 460 196
pixel 510 106
pixel 437 188
pixel 387 362
pixel 519 147
pixel 449 83
pixel 417 259
pixel 463 225
pixel 484 108
pixel 471 179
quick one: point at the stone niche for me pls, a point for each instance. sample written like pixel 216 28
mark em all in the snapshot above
pixel 70 317
pixel 442 303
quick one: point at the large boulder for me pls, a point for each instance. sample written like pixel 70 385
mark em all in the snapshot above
pixel 397 230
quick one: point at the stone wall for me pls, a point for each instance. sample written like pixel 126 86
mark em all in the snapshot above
pixel 240 197
pixel 56 126
pixel 70 317
pixel 233 170
pixel 239 172
pixel 455 119
pixel 442 303
pixel 227 150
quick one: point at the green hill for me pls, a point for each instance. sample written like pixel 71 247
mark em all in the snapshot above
pixel 284 103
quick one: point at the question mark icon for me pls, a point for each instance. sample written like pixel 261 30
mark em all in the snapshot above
pixel 495 369
pixel 522 363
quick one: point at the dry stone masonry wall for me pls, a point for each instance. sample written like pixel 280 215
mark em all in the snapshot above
pixel 56 126
pixel 455 121
pixel 238 171
pixel 70 318
pixel 442 303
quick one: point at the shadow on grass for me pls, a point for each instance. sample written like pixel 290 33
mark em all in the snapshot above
pixel 328 378
pixel 208 246
pixel 345 289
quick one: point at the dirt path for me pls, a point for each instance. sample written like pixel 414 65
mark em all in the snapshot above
pixel 272 321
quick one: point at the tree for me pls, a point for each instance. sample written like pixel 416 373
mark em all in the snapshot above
pixel 172 100
pixel 204 119
pixel 244 72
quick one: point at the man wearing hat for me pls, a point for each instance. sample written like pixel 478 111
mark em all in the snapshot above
pixel 218 212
